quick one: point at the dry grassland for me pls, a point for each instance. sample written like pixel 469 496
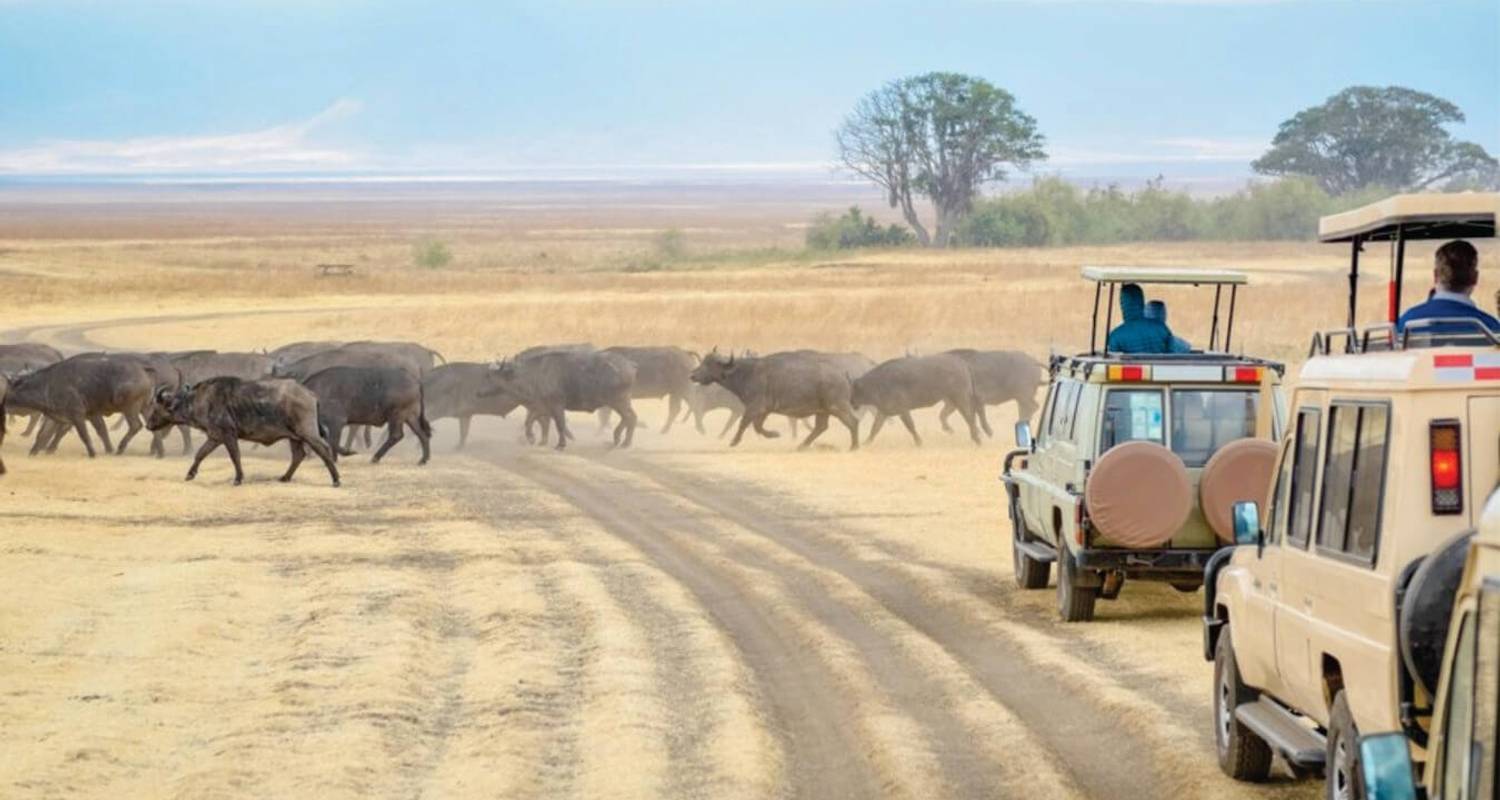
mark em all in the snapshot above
pixel 681 621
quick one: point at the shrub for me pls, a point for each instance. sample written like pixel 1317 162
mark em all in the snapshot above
pixel 853 229
pixel 431 254
pixel 670 244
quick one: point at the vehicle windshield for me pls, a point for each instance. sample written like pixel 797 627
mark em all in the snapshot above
pixel 1131 415
pixel 1203 420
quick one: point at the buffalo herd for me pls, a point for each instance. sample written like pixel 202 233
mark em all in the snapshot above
pixel 319 396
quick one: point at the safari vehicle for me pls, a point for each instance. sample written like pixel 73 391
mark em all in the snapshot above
pixel 1109 486
pixel 1454 615
pixel 1393 441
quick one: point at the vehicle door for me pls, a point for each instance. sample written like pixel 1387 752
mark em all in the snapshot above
pixel 1053 454
pixel 1334 602
pixel 1287 521
pixel 1464 742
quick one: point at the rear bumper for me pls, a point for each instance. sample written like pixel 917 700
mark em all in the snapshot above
pixel 1159 564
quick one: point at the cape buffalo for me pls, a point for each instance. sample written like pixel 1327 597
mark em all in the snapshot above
pixel 4 386
pixel 797 384
pixel 289 354
pixel 419 358
pixel 230 409
pixel 454 390
pixel 900 385
pixel 1000 376
pixel 659 372
pixel 371 396
pixel 16 359
pixel 85 389
pixel 304 368
pixel 554 382
pixel 200 365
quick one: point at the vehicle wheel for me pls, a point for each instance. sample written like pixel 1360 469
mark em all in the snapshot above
pixel 1242 755
pixel 1030 573
pixel 1187 587
pixel 1074 603
pixel 1345 779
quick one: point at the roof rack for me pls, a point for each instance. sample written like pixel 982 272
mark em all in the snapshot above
pixel 1455 332
pixel 1113 276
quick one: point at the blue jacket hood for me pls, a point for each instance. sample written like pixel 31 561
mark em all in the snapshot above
pixel 1132 302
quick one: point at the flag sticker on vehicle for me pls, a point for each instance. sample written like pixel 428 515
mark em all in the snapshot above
pixel 1467 367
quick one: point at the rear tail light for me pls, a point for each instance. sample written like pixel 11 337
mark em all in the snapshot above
pixel 1129 372
pixel 1244 374
pixel 1447 467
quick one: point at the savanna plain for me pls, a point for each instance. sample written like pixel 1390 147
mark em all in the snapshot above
pixel 675 620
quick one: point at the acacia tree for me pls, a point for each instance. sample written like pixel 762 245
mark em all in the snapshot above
pixel 941 136
pixel 1371 136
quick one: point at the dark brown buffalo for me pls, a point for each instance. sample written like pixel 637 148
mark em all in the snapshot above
pixel 659 372
pixel 371 396
pixel 85 389
pixel 1000 376
pixel 230 409
pixel 454 390
pixel 16 359
pixel 418 357
pixel 796 384
pixel 289 354
pixel 554 382
pixel 901 385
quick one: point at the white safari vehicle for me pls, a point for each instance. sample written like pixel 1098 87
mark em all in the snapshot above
pixel 1109 486
pixel 1392 446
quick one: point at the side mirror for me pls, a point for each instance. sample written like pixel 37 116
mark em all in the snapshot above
pixel 1247 522
pixel 1385 759
pixel 1023 435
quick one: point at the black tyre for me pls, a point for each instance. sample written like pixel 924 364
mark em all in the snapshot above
pixel 1345 778
pixel 1243 755
pixel 1074 603
pixel 1030 573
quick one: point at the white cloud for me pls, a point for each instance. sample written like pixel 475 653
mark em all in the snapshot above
pixel 282 146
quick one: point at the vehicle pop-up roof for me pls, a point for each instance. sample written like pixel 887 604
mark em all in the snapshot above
pixel 1115 276
pixel 1404 218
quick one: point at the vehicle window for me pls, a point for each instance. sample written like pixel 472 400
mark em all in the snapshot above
pixel 1131 415
pixel 1458 725
pixel 1073 414
pixel 1067 406
pixel 1301 492
pixel 1059 402
pixel 1049 408
pixel 1205 420
pixel 1352 475
pixel 1275 515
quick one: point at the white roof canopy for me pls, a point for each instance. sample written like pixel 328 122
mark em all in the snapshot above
pixel 1194 277
pixel 1418 216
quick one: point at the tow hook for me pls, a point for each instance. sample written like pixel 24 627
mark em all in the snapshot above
pixel 1113 580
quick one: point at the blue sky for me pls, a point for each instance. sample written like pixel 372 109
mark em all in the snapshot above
pixel 327 86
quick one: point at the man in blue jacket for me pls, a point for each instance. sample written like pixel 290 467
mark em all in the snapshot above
pixel 1157 310
pixel 1137 334
pixel 1455 274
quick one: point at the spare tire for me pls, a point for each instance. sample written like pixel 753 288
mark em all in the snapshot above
pixel 1139 495
pixel 1240 470
pixel 1428 608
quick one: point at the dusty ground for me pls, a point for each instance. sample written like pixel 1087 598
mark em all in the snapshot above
pixel 679 620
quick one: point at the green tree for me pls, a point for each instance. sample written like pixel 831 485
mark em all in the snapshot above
pixel 431 254
pixel 940 136
pixel 853 230
pixel 1371 136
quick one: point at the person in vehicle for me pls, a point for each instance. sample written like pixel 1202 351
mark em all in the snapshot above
pixel 1137 334
pixel 1156 310
pixel 1455 274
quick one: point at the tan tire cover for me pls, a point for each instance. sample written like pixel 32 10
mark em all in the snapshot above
pixel 1139 494
pixel 1241 470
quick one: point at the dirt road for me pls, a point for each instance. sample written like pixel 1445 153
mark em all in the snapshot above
pixel 674 622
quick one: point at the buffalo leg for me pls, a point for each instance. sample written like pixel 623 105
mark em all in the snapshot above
pixel 792 424
pixel 52 434
pixel 135 427
pixel 40 442
pixel 187 438
pixel 626 428
pixel 463 432
pixel 203 452
pixel 83 434
pixel 760 427
pixel 350 434
pixel 984 420
pixel 744 422
pixel 603 421
pixel 299 452
pixel 875 429
pixel 103 431
pixel 734 416
pixel 674 405
pixel 560 418
pixel 368 441
pixel 157 438
pixel 327 453
pixel 333 429
pixel 33 421
pixel 973 418
pixel 393 434
pixel 911 426
pixel 820 424
pixel 422 439
pixel 233 446
pixel 943 416
pixel 851 421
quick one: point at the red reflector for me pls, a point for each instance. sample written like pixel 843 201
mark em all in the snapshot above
pixel 1246 375
pixel 1453 361
pixel 1445 469
pixel 1132 373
